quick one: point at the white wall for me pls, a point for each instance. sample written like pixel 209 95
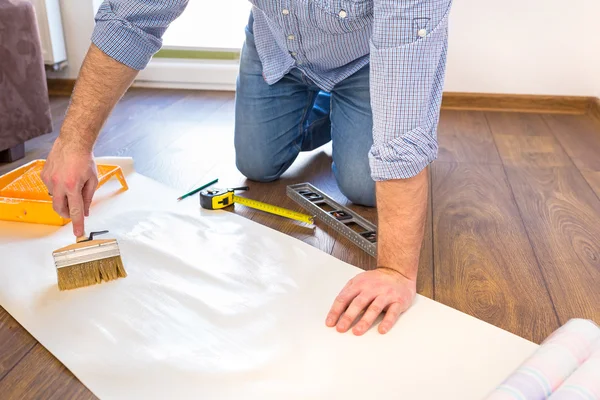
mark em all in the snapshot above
pixel 78 24
pixel 509 46
pixel 532 47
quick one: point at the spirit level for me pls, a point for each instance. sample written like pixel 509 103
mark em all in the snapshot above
pixel 343 220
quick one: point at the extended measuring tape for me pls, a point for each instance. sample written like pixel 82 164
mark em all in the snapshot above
pixel 343 220
pixel 215 199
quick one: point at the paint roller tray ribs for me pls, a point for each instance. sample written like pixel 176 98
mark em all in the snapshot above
pixel 24 196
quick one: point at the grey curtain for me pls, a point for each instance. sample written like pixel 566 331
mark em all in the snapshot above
pixel 24 103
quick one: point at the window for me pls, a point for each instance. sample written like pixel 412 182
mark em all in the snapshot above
pixel 209 25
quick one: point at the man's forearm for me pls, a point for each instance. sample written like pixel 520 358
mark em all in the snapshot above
pixel 101 83
pixel 402 210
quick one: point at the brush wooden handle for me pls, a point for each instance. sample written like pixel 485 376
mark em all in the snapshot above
pixel 82 238
pixel 90 243
pixel 83 242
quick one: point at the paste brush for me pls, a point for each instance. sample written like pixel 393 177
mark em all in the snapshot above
pixel 88 262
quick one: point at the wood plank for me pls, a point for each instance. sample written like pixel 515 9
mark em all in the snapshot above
pixel 132 114
pixel 58 104
pixel 135 107
pixel 465 137
pixel 515 102
pixel 561 215
pixel 148 138
pixel 506 123
pixel 60 87
pixel 579 135
pixel 594 109
pixel 425 279
pixel 533 151
pixel 15 342
pixel 484 263
pixel 593 179
pixel 526 140
pixel 131 122
pixel 41 376
pixel 546 197
pixel 186 157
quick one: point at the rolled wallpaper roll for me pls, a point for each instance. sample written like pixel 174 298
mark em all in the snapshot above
pixel 565 350
pixel 584 383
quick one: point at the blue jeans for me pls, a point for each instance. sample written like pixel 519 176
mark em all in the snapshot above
pixel 274 123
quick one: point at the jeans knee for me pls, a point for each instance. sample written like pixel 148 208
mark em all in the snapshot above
pixel 256 169
pixel 359 192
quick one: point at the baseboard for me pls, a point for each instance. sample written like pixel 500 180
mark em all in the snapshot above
pixel 60 87
pixel 184 86
pixel 189 74
pixel 594 108
pixel 516 103
pixel 451 100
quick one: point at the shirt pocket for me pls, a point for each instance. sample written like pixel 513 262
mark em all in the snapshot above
pixel 409 22
pixel 338 17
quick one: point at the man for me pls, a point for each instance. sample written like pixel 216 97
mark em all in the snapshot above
pixel 365 74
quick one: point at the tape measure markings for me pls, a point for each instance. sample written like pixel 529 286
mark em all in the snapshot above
pixel 273 209
pixel 216 199
pixel 340 218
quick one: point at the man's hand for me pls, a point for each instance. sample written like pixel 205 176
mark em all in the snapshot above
pixel 70 172
pixel 401 212
pixel 71 178
pixel 372 292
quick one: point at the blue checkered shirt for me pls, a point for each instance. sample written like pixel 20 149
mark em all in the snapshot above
pixel 405 42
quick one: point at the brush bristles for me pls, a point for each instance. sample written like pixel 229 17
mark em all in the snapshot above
pixel 90 273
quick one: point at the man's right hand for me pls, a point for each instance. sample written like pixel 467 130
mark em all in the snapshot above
pixel 71 178
pixel 70 172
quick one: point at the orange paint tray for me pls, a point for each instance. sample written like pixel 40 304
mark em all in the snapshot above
pixel 24 196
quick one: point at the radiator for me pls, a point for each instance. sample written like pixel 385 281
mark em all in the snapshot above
pixel 51 33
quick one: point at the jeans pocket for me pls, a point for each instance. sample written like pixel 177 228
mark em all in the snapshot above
pixel 338 17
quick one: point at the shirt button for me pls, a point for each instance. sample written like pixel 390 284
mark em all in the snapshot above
pixel 291 37
pixel 294 54
pixel 343 14
pixel 285 12
pixel 422 32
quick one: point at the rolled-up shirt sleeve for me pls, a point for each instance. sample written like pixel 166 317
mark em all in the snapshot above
pixel 408 61
pixel 130 31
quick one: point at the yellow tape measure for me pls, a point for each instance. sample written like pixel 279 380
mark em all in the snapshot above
pixel 215 199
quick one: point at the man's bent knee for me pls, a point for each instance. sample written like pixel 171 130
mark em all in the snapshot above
pixel 359 193
pixel 257 169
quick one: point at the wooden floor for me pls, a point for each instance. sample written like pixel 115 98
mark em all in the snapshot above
pixel 513 234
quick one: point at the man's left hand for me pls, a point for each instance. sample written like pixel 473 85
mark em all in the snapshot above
pixel 372 292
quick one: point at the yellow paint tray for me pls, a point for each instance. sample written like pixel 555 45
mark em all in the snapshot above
pixel 24 196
